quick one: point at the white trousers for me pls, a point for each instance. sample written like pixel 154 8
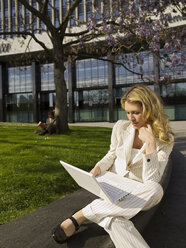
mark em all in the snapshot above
pixel 114 217
pixel 124 234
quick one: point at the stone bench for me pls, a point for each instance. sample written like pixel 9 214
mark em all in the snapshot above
pixel 142 219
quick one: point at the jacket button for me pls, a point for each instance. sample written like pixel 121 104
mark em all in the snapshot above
pixel 148 160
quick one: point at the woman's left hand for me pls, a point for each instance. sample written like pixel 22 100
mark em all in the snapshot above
pixel 147 136
pixel 146 133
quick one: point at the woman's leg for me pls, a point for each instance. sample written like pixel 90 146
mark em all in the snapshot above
pixel 143 197
pixel 69 227
pixel 124 234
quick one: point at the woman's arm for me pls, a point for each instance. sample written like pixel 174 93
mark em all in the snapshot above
pixel 107 161
pixel 155 158
pixel 154 163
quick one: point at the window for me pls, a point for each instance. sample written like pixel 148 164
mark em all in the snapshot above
pixel 81 11
pixel 19 107
pixel 56 13
pixel 141 64
pixel 88 8
pixel 64 8
pixel 47 77
pixel 19 79
pixel 91 105
pixel 91 72
pixel 181 89
pixel 174 72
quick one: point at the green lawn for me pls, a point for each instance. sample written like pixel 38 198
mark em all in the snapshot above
pixel 30 173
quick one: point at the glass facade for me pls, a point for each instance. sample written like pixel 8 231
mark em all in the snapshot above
pixel 47 77
pixel 91 92
pixel 19 79
pixel 19 107
pixel 91 73
pixel 91 96
pixel 143 65
pixel 178 70
pixel 91 105
pixel 19 102
pixel 21 19
pixel 174 96
pixel 47 102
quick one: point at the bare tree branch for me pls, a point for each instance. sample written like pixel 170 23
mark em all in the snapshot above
pixel 83 39
pixel 45 9
pixel 44 18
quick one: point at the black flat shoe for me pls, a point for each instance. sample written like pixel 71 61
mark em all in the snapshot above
pixel 59 235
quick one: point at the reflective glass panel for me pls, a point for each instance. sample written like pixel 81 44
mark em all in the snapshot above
pixel 133 67
pixel 19 107
pixel 19 79
pixel 91 72
pixel 173 66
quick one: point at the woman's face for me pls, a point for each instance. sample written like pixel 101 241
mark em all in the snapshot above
pixel 134 114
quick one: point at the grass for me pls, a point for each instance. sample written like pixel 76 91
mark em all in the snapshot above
pixel 30 173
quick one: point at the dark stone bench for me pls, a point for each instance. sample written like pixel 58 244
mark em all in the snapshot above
pixel 142 219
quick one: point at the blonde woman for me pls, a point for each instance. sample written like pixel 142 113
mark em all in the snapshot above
pixel 139 151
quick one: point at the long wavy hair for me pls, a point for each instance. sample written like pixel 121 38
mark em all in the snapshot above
pixel 153 112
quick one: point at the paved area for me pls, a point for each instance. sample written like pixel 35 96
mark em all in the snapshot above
pixel 167 229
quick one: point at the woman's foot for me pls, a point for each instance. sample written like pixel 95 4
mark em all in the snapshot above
pixel 67 228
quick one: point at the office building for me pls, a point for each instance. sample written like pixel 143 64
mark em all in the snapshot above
pixel 27 90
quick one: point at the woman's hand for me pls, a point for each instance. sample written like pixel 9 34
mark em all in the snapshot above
pixel 96 171
pixel 147 136
pixel 146 133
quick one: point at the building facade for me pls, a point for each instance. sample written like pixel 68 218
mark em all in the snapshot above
pixel 95 87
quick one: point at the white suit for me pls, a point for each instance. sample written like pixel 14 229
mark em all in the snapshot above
pixel 145 170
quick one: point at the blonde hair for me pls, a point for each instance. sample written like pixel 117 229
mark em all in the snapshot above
pixel 153 112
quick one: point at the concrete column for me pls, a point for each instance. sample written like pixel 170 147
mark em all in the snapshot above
pixel 3 91
pixel 36 89
pixel 84 10
pixel 2 17
pixel 71 86
pixel 24 18
pixel 53 12
pixel 17 16
pixel 38 20
pixel 111 82
pixel 68 6
pixel 60 11
pixel 10 16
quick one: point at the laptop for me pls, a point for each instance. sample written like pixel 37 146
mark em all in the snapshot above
pixel 108 186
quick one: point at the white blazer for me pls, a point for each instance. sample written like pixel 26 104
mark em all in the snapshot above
pixel 144 166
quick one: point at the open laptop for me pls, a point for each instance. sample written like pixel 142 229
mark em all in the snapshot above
pixel 108 185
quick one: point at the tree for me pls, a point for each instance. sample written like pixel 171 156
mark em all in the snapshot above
pixel 113 29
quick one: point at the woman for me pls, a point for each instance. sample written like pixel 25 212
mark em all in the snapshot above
pixel 139 150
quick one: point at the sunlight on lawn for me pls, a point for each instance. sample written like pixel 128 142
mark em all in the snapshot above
pixel 30 173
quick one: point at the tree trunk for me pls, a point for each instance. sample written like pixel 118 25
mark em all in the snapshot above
pixel 61 112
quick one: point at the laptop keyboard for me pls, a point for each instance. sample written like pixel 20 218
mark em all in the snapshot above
pixel 113 191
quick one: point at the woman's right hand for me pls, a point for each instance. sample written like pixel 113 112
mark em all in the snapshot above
pixel 96 171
